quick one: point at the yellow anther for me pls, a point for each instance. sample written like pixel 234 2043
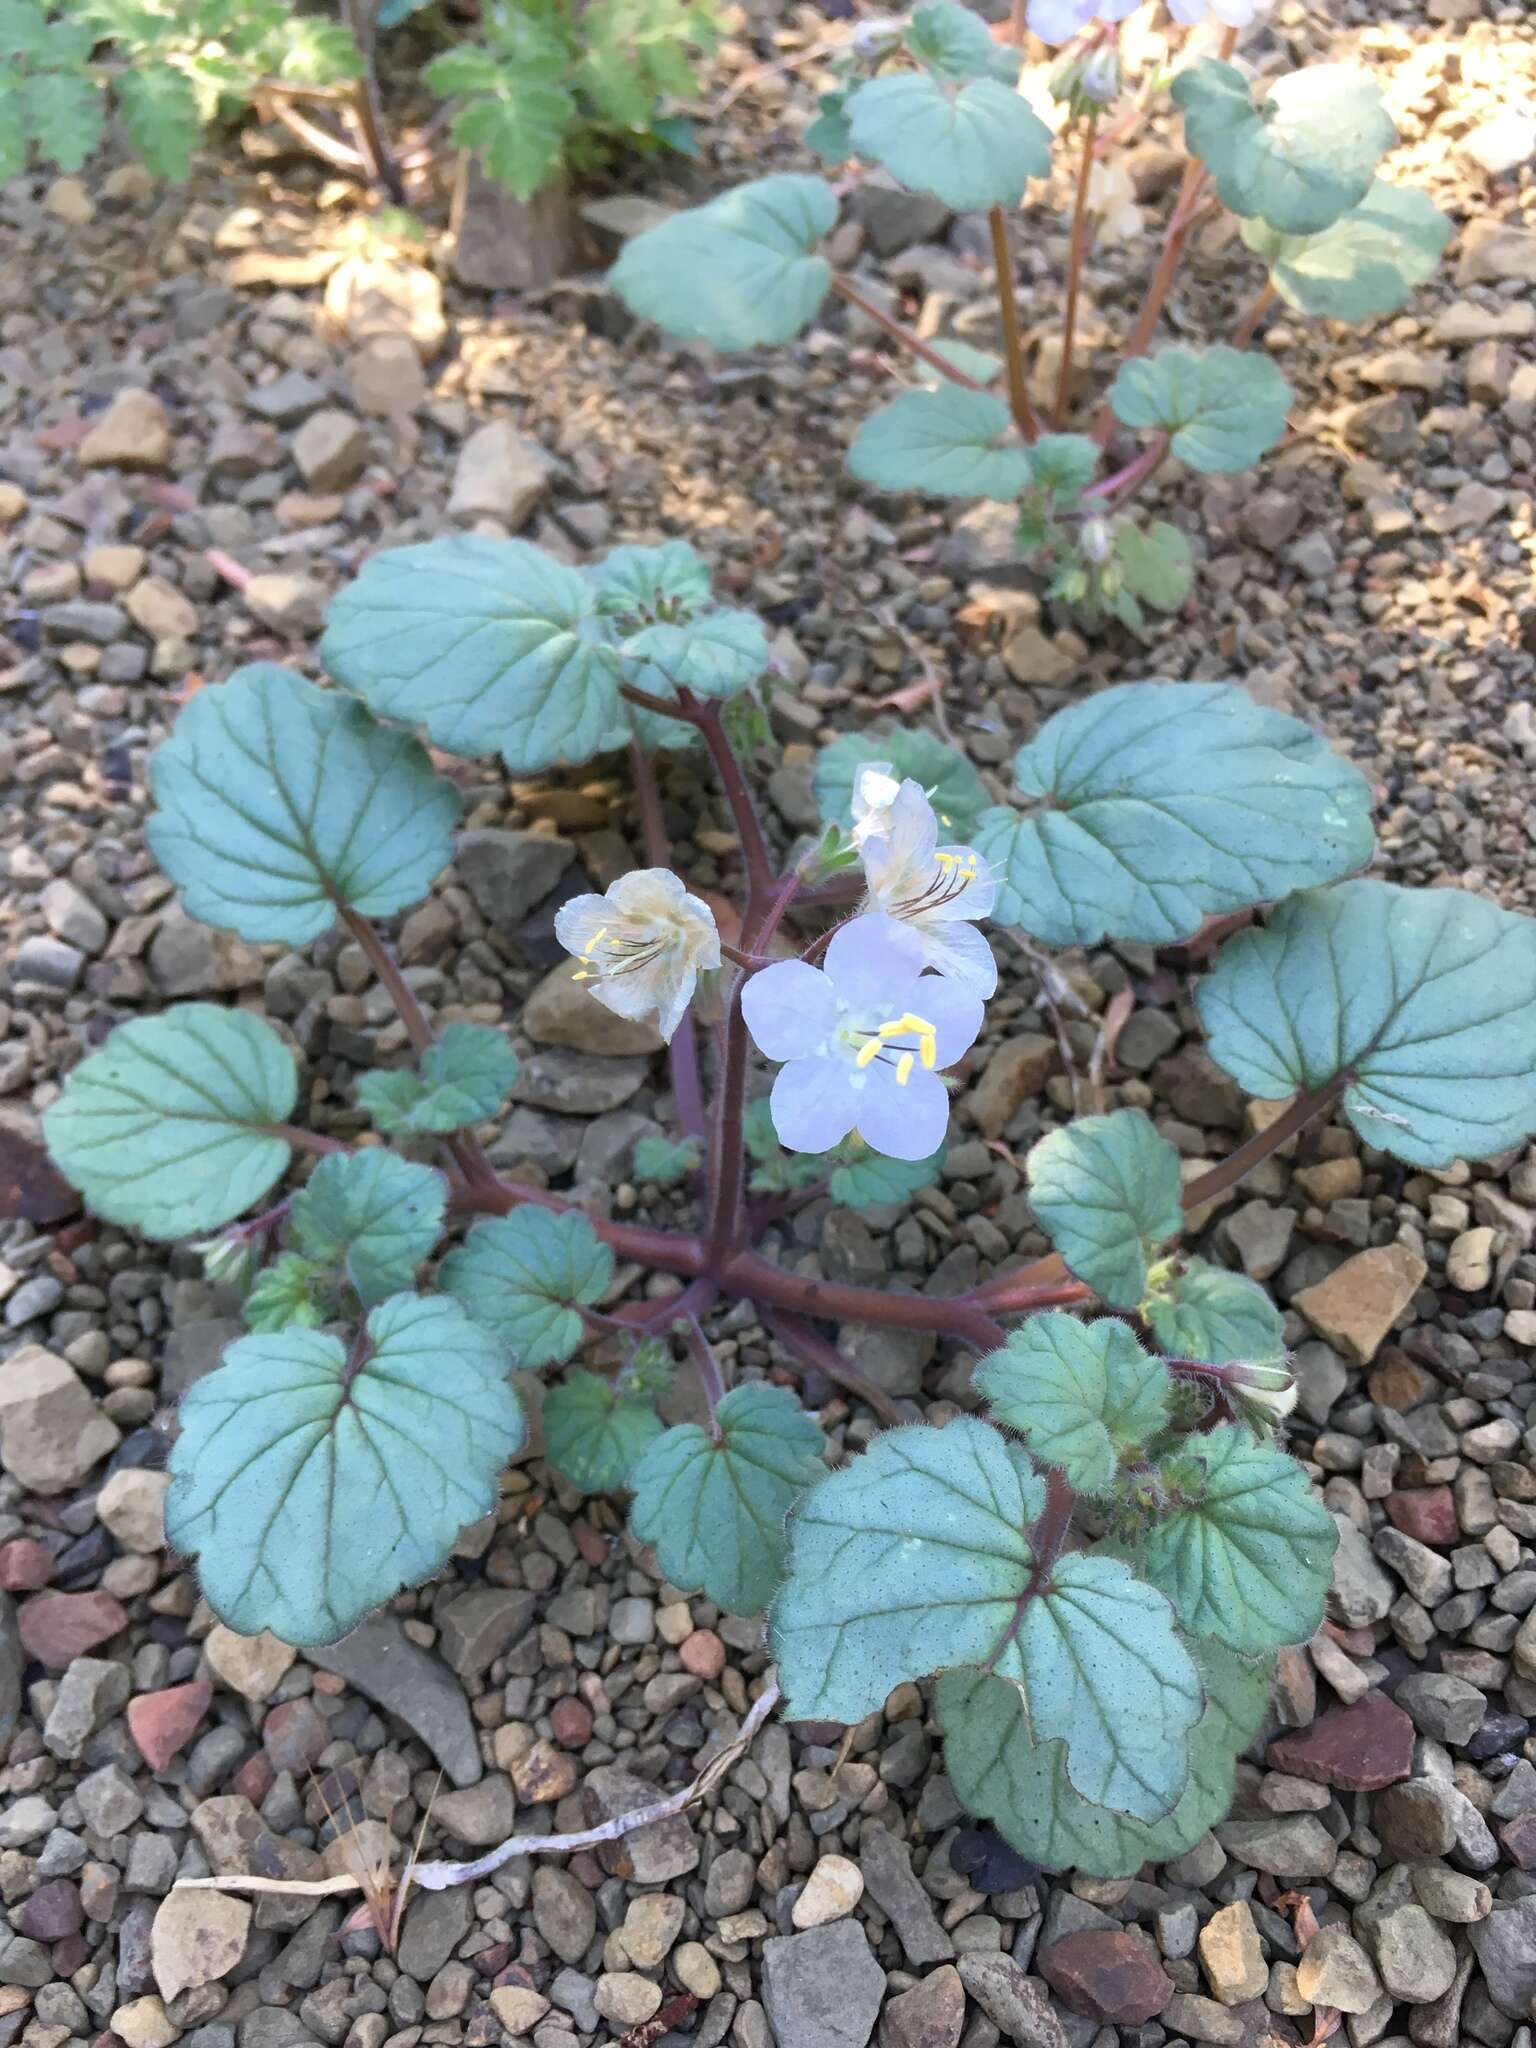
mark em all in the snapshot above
pixel 929 1049
pixel 870 1050
pixel 904 1069
pixel 595 941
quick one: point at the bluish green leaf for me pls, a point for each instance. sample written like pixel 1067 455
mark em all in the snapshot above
pixel 1300 159
pixel 1156 564
pixel 828 134
pixel 160 112
pixel 170 1127
pixel 1081 1395
pixel 664 1160
pixel 1107 1191
pixel 312 1483
pixel 954 788
pixel 1424 998
pixel 62 111
pixel 277 802
pixel 492 645
pixel 714 1506
pixel 1169 803
pixel 288 1291
pixel 13 135
pixel 646 584
pixel 738 271
pixel 1245 1550
pixel 972 146
pixel 868 1180
pixel 464 1078
pixel 1202 1311
pixel 714 655
pixel 950 442
pixel 1223 406
pixel 1366 264
pixel 1001 1775
pixel 1062 466
pixel 521 1275
pixel 951 41
pixel 595 1432
pixel 917 1557
pixel 372 1213
pixel 971 362
pixel 23 29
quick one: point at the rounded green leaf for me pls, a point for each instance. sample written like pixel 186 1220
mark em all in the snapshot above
pixel 1163 804
pixel 1197 1310
pixel 1156 564
pixel 464 1078
pixel 645 584
pixel 1300 159
pixel 1245 1551
pixel 869 1180
pixel 313 1482
pixel 169 1127
pixel 1001 1775
pixel 952 41
pixel 372 1213
pixel 492 645
pixel 1081 1395
pixel 1108 1192
pixel 948 441
pixel 278 803
pixel 1424 998
pixel 595 1433
pixel 521 1275
pixel 1366 264
pixel 715 1506
pixel 972 146
pixel 909 1559
pixel 737 272
pixel 1222 406
pixel 714 655
pixel 954 788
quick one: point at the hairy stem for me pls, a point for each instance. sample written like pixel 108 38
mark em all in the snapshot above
pixel 1126 482
pixel 1311 1102
pixel 702 1352
pixel 913 343
pixel 812 1349
pixel 305 1141
pixel 683 1049
pixel 1075 272
pixel 1013 342
pixel 749 1274
pixel 727 1174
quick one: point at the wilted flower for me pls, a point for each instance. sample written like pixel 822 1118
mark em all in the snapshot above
pixel 229 1260
pixel 874 791
pixel 863 1039
pixel 641 945
pixel 1230 13
pixel 1097 541
pixel 1112 198
pixel 1269 1389
pixel 935 890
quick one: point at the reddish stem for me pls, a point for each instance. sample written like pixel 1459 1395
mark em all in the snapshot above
pixel 1254 1151
pixel 1013 341
pixel 904 335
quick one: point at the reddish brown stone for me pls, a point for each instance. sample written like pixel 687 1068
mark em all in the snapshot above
pixel 591 1543
pixel 69 1955
pixel 1428 1514
pixel 1396 1382
pixel 293 1735
pixel 1107 1974
pixel 703 1653
pixel 24 1565
pixel 1354 1749
pixel 58 1627
pixel 254 1778
pixel 1519 1839
pixel 163 1723
pixel 52 1912
pixel 1359 1642
pixel 570 1721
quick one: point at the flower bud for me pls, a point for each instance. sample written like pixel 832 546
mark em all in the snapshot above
pixel 1091 79
pixel 230 1260
pixel 1269 1388
pixel 877 37
pixel 1097 540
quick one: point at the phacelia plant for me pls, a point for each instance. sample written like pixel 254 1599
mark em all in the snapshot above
pixel 1100 1567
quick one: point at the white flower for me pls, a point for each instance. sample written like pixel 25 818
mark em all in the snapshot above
pixel 874 791
pixel 641 945
pixel 936 890
pixel 863 1040
pixel 1230 13
pixel 1058 21
pixel 1270 1389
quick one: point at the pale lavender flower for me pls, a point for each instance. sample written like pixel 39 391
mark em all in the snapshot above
pixel 863 1041
pixel 1058 21
pixel 1230 13
pixel 938 891
pixel 642 945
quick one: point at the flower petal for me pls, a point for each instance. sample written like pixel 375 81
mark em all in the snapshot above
pixel 790 1009
pixel 953 1010
pixel 866 960
pixel 1057 21
pixel 903 1120
pixel 814 1102
pixel 672 986
pixel 976 895
pixel 961 954
pixel 651 893
pixel 578 922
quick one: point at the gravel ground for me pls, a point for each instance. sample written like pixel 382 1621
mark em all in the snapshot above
pixel 213 404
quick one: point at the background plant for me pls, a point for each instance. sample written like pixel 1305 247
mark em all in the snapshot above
pixel 1099 1570
pixel 934 103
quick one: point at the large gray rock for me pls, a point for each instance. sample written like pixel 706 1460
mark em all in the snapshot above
pixel 380 1659
pixel 1506 1949
pixel 507 873
pixel 500 475
pixel 505 244
pixel 822 1989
